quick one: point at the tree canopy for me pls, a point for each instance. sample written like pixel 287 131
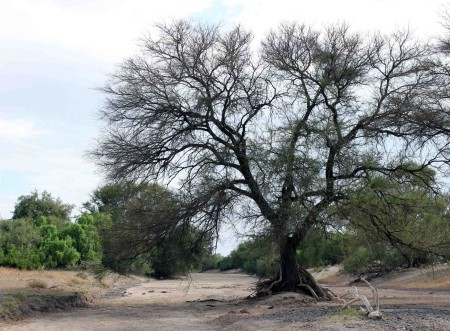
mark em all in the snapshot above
pixel 275 136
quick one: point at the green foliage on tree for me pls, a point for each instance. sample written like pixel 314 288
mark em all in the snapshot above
pixel 85 237
pixel 57 252
pixel 322 248
pixel 399 221
pixel 181 252
pixel 35 205
pixel 19 244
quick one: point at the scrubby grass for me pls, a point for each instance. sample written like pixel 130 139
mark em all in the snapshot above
pixel 17 305
pixel 82 275
pixel 10 304
pixel 37 283
pixel 76 281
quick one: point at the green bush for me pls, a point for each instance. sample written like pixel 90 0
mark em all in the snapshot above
pixel 358 260
pixel 373 258
pixel 320 248
pixel 256 256
pixel 179 253
pixel 227 263
pixel 19 244
pixel 23 258
pixel 85 237
pixel 59 253
pixel 210 262
pixel 140 231
pixel 48 242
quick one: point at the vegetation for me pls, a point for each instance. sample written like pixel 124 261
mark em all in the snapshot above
pixel 115 232
pixel 142 232
pixel 256 256
pixel 31 244
pixel 46 238
pixel 33 206
pixel 331 144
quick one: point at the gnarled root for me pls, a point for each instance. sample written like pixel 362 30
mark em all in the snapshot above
pixel 306 284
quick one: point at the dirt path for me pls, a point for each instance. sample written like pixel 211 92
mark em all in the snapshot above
pixel 214 301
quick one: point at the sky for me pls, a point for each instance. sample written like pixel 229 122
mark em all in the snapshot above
pixel 54 54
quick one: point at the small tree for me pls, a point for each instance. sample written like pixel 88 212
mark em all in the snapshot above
pixel 276 136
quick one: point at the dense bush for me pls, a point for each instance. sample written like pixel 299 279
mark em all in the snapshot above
pixel 256 256
pixel 365 259
pixel 322 248
pixel 48 242
pixel 85 236
pixel 19 242
pixel 182 251
pixel 210 261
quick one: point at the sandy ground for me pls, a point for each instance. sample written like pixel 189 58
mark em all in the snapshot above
pixel 216 301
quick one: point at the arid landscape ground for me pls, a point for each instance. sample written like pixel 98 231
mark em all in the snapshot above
pixel 410 300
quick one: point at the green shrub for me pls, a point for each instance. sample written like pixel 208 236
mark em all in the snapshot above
pixel 210 262
pixel 227 263
pixel 358 260
pixel 19 244
pixel 179 253
pixel 255 256
pixel 47 242
pixel 85 237
pixel 320 248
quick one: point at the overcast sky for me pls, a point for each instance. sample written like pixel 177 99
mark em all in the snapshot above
pixel 54 53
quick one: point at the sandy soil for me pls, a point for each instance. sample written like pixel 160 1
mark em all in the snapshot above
pixel 216 301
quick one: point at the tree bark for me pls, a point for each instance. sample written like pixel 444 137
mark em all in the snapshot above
pixel 288 265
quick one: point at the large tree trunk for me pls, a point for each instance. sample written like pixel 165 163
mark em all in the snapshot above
pixel 288 265
pixel 291 277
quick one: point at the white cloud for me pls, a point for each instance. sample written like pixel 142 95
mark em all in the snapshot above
pixel 104 29
pixel 383 15
pixel 18 130
pixel 61 171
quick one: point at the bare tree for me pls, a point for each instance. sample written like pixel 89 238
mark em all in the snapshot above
pixel 277 135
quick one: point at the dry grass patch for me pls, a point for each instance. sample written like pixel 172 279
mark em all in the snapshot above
pixel 425 279
pixel 37 283
pixel 77 281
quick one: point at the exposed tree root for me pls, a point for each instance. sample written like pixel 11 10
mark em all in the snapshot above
pixel 306 284
pixel 313 293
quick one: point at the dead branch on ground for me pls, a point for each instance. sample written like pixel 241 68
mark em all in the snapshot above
pixel 354 296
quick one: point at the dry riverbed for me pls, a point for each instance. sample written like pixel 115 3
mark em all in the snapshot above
pixel 417 300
